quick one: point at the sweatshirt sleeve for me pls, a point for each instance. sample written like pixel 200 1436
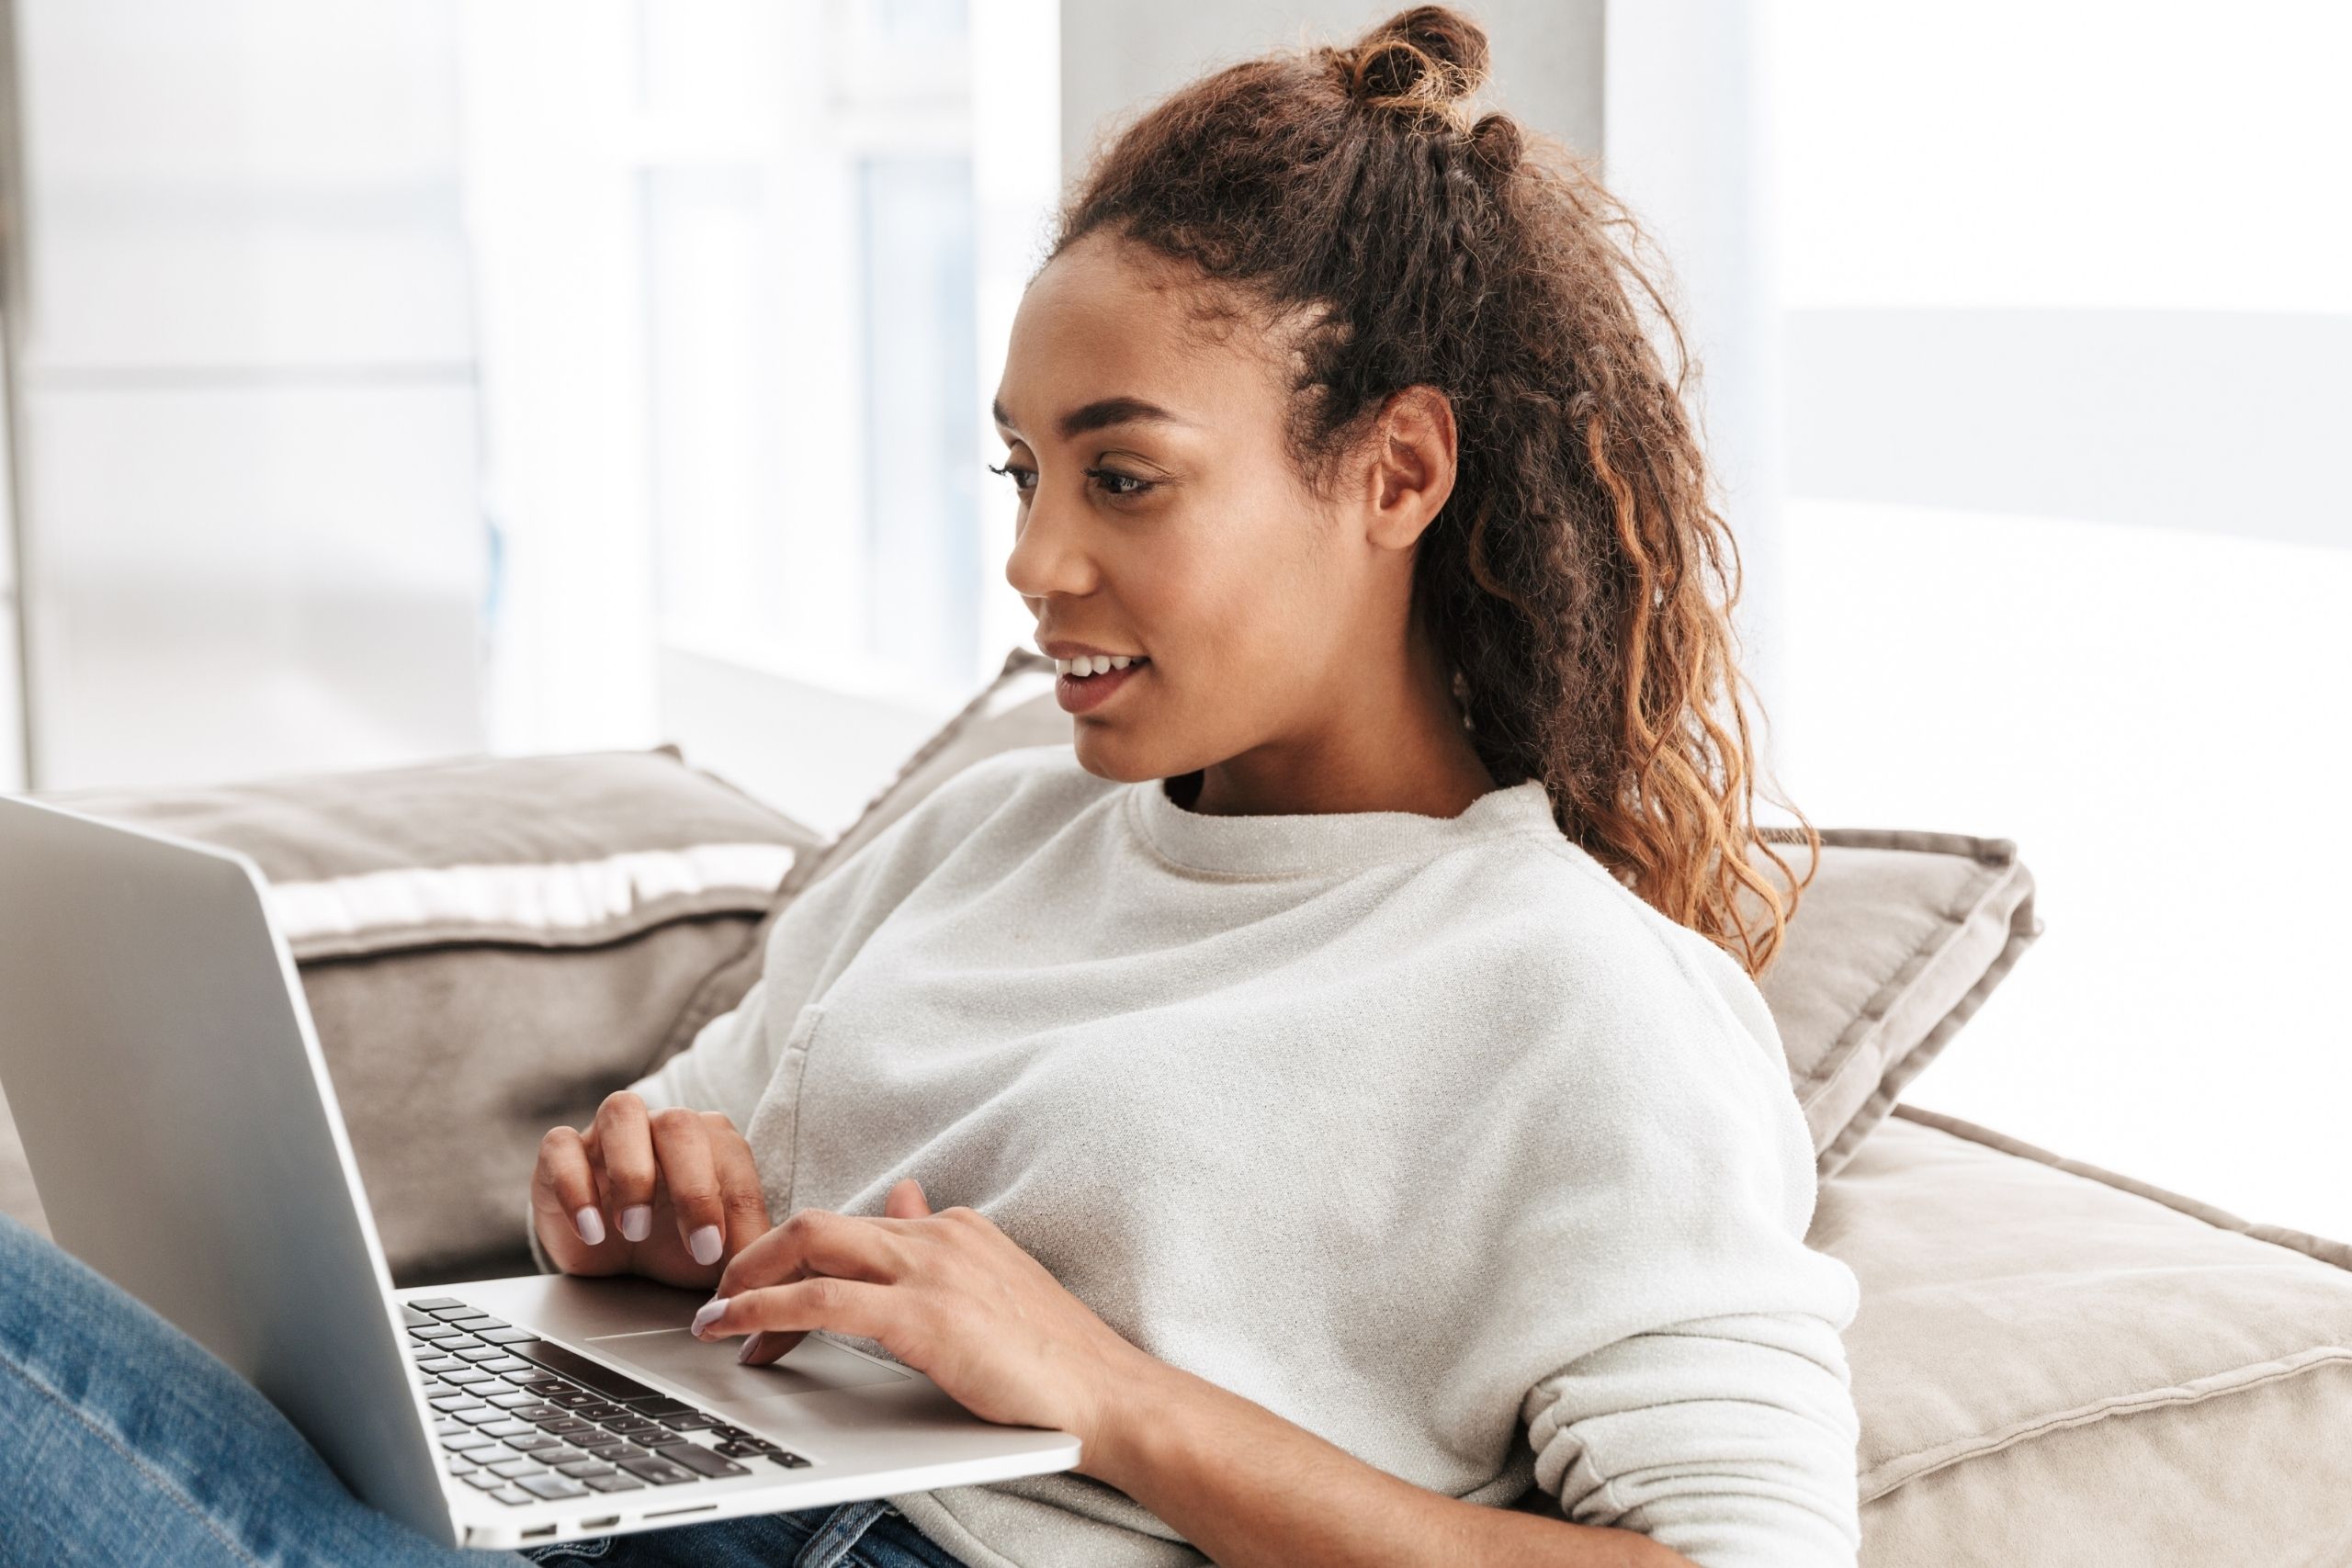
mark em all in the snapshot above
pixel 1707 1405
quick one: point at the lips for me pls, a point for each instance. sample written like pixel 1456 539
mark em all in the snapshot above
pixel 1083 693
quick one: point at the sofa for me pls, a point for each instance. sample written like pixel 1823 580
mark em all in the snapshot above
pixel 2053 1364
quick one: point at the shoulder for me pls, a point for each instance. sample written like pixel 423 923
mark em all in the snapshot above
pixel 1599 958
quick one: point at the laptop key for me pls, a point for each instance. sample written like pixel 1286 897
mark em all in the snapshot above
pixel 508 1335
pixel 482 1353
pixel 468 1443
pixel 455 1309
pixel 602 1410
pixel 582 1468
pixel 661 1405
pixel 532 1442
pixel 486 1481
pixel 573 1399
pixel 518 1400
pixel 692 1421
pixel 475 1323
pixel 702 1461
pixel 513 1497
pixel 440 1366
pixel 468 1376
pixel 436 1303
pixel 483 1417
pixel 660 1471
pixel 507 1366
pixel 519 1466
pixel 552 1486
pixel 548 1418
pixel 615 1482
pixel 581 1369
pixel 790 1462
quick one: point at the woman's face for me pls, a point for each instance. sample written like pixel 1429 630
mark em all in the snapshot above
pixel 1161 517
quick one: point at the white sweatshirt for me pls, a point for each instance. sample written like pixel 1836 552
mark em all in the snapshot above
pixel 1417 1131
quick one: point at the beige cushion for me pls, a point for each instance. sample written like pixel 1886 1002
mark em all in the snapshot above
pixel 2059 1366
pixel 1896 940
pixel 488 946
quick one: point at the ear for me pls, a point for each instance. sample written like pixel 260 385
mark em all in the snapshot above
pixel 1410 466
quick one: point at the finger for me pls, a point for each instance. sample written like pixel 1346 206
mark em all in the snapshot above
pixel 861 1308
pixel 682 1145
pixel 906 1201
pixel 563 1183
pixel 744 1205
pixel 816 1241
pixel 625 1148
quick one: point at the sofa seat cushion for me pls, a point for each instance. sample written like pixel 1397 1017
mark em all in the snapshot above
pixel 2057 1365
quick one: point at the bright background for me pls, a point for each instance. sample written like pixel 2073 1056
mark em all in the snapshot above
pixel 391 380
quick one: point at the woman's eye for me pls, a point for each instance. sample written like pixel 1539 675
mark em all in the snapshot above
pixel 1025 480
pixel 1111 475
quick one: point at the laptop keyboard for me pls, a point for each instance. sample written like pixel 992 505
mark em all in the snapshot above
pixel 527 1421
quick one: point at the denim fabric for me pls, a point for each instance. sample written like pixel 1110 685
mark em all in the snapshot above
pixel 127 1443
pixel 852 1535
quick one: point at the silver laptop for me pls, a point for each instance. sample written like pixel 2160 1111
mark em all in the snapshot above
pixel 159 1055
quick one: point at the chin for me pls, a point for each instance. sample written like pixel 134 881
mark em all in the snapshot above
pixel 1107 754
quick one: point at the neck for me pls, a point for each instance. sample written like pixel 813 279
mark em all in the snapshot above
pixel 1392 745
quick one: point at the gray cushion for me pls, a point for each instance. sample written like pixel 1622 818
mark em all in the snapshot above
pixel 488 947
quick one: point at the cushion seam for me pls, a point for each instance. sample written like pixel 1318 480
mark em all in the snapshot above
pixel 2173 1396
pixel 1898 1077
pixel 2320 1249
pixel 1873 1014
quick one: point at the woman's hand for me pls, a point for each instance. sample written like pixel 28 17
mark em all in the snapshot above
pixel 949 1294
pixel 670 1194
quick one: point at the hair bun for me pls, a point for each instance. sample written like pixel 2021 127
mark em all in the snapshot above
pixel 1428 58
pixel 1497 141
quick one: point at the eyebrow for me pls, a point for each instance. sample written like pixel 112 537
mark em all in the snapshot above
pixel 1100 414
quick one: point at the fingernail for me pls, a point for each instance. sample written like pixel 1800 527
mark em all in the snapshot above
pixel 590 1224
pixel 637 1222
pixel 751 1347
pixel 705 1244
pixel 710 1313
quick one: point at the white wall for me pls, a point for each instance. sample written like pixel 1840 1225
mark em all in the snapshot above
pixel 2069 374
pixel 246 382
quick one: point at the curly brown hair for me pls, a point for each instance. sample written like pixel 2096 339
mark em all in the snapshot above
pixel 1566 579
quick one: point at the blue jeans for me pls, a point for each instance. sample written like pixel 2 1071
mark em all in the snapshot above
pixel 123 1441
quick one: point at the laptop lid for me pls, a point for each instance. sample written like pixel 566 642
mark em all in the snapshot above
pixel 157 1049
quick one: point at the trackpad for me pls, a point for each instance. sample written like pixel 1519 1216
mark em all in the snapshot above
pixel 709 1368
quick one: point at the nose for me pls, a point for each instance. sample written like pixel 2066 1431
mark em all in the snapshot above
pixel 1049 554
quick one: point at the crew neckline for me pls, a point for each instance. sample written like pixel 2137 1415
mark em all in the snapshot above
pixel 1303 843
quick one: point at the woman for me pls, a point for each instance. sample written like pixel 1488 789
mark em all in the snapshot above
pixel 1344 1109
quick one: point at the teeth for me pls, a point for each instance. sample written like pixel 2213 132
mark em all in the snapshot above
pixel 1093 664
